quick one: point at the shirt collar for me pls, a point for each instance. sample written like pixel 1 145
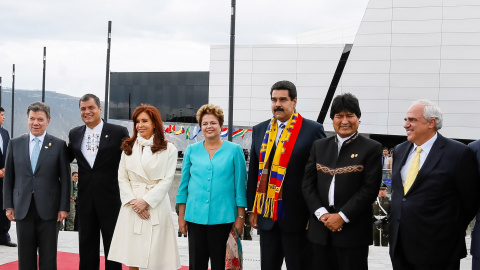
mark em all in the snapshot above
pixel 427 145
pixel 97 128
pixel 41 137
pixel 341 140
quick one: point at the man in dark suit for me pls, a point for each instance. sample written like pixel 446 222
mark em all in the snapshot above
pixel 283 229
pixel 435 194
pixel 37 190
pixel 342 178
pixel 4 222
pixel 96 146
pixel 475 243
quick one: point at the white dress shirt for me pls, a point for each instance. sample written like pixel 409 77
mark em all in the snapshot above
pixel 32 142
pixel 331 191
pixel 90 143
pixel 279 130
pixel 426 147
pixel 1 144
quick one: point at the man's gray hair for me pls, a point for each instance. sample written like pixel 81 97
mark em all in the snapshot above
pixel 431 111
pixel 39 107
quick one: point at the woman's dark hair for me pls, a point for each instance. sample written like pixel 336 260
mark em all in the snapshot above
pixel 159 142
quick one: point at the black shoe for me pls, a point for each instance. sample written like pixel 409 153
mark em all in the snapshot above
pixel 8 244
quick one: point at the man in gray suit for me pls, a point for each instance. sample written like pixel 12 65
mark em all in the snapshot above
pixel 37 190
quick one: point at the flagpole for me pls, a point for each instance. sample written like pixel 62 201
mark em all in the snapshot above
pixel 231 78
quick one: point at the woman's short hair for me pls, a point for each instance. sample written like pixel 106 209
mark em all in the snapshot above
pixel 210 109
pixel 159 142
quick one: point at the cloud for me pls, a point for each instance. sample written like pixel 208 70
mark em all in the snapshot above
pixel 167 35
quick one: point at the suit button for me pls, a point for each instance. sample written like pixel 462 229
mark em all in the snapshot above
pixel 404 199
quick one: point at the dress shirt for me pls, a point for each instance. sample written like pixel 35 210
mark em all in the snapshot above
pixel 1 143
pixel 384 161
pixel 426 147
pixel 41 138
pixel 90 143
pixel 279 130
pixel 331 191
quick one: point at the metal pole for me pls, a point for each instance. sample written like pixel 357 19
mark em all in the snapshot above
pixel 231 77
pixel 0 91
pixel 44 69
pixel 13 99
pixel 107 79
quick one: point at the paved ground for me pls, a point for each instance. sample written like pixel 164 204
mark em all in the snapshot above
pixel 68 242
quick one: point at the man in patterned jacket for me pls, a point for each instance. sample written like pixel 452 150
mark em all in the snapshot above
pixel 341 182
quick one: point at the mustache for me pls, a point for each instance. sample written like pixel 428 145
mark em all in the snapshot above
pixel 278 109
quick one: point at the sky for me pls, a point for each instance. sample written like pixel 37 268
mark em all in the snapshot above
pixel 147 35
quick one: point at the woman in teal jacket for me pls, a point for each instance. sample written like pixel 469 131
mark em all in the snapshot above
pixel 212 192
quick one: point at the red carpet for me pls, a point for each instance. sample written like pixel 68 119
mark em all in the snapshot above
pixel 66 261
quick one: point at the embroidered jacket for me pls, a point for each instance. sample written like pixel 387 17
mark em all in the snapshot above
pixel 358 173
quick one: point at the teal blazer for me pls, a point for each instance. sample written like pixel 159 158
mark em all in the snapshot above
pixel 213 188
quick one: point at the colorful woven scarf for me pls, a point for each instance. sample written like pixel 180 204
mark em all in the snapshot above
pixel 268 199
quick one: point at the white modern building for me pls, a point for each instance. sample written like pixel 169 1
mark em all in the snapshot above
pixel 404 50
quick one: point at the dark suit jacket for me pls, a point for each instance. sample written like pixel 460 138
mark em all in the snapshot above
pixel 475 244
pixel 296 213
pixel 6 140
pixel 98 186
pixel 358 173
pixel 431 219
pixel 49 183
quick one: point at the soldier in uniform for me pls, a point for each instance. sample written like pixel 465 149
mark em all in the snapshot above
pixel 381 209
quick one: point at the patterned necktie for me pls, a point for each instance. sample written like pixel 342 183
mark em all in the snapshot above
pixel 35 153
pixel 413 171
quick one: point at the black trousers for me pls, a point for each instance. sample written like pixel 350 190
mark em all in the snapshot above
pixel 4 222
pixel 207 242
pixel 335 258
pixel 400 262
pixel 32 233
pixel 91 224
pixel 275 245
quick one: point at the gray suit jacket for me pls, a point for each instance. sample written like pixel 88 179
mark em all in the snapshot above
pixel 49 183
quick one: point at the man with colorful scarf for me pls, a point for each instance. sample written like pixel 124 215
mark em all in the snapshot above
pixel 342 178
pixel 279 152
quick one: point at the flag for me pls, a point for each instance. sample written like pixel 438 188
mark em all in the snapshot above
pixel 245 132
pixel 224 132
pixel 237 133
pixel 172 129
pixel 167 130
pixel 181 130
pixel 188 133
pixel 195 133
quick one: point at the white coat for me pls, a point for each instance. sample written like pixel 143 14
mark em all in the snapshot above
pixel 152 243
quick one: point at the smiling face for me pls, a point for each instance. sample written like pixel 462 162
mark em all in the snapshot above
pixel 90 113
pixel 345 123
pixel 144 125
pixel 37 122
pixel 75 177
pixel 211 127
pixel 282 106
pixel 419 130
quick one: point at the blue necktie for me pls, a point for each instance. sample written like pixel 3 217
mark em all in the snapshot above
pixel 35 154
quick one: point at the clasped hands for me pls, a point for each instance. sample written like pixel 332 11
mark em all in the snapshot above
pixel 334 222
pixel 140 207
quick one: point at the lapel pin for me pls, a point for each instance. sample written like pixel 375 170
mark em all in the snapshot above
pixel 46 147
pixel 106 136
pixel 49 144
pixel 352 156
pixel 356 155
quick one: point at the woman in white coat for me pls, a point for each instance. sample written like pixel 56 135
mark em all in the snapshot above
pixel 144 236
